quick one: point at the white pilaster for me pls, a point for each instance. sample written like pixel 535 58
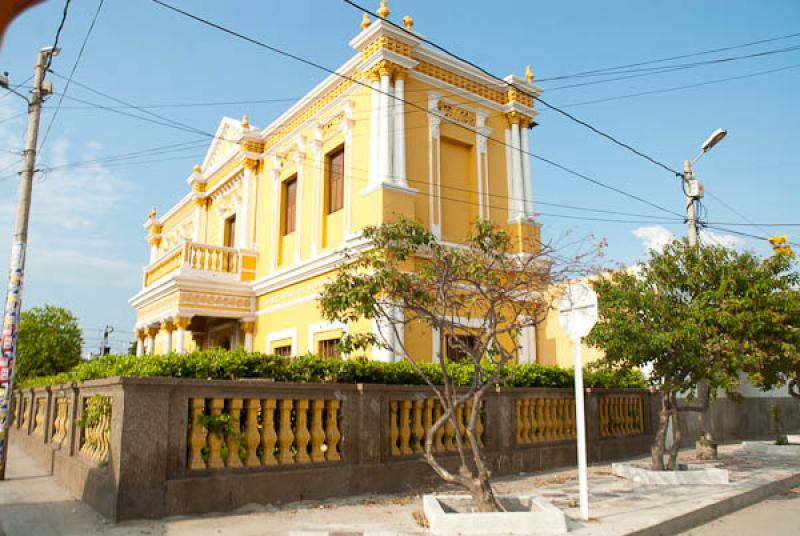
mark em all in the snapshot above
pixel 374 129
pixel 526 173
pixel 151 344
pixel 139 347
pixel 480 165
pixel 527 345
pixel 434 165
pixel 243 219
pixel 384 134
pixel 436 349
pixel 317 190
pixel 196 223
pixel 347 127
pixel 276 213
pixel 516 166
pixel 298 229
pixel 399 160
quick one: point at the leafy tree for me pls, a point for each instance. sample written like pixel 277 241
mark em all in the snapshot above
pixel 49 342
pixel 478 296
pixel 700 316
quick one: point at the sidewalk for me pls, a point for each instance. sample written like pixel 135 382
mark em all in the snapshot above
pixel 32 504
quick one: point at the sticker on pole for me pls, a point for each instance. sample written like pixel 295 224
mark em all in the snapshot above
pixel 577 310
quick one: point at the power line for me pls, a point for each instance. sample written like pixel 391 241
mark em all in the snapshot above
pixel 671 58
pixel 412 104
pixel 669 69
pixel 58 34
pixel 729 207
pixel 678 88
pixel 71 74
pixel 509 84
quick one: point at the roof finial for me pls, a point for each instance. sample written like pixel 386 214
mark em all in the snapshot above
pixel 197 169
pixel 365 22
pixel 383 12
pixel 245 121
pixel 151 216
pixel 528 74
pixel 408 22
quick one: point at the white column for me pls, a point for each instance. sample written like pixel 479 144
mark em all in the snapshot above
pixel 151 342
pixel 399 160
pixel 526 173
pixel 168 341
pixel 385 140
pixel 382 332
pixel 437 344
pixel 527 345
pixel 510 174
pixel 180 340
pixel 374 129
pixel 434 165
pixel 196 222
pixel 516 166
pixel 139 345
pixel 248 341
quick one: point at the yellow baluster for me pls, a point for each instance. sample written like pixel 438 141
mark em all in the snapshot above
pixel 197 435
pixel 234 432
pixel 285 434
pixel 460 427
pixel 419 431
pixel 405 427
pixel 573 433
pixel 394 431
pixel 438 438
pixel 428 420
pixel 317 433
pixel 449 434
pixel 251 435
pixel 604 417
pixel 332 433
pixel 536 411
pixel 302 436
pixel 641 415
pixel 268 436
pixel 518 408
pixel 214 439
pixel 562 421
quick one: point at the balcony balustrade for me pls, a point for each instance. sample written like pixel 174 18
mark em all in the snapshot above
pixel 203 260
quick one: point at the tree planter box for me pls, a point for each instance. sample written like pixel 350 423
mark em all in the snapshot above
pixel 686 475
pixel 769 447
pixel 527 514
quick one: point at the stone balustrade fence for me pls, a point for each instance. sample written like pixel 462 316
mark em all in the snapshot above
pixel 151 447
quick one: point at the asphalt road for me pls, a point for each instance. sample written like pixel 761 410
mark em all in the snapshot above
pixel 777 516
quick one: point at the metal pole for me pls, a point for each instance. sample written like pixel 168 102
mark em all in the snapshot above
pixel 691 215
pixel 17 269
pixel 580 420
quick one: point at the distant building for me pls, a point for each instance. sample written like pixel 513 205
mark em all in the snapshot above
pixel 400 130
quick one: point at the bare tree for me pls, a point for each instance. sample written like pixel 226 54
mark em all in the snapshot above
pixel 478 296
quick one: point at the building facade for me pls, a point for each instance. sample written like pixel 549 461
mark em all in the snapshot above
pixel 400 130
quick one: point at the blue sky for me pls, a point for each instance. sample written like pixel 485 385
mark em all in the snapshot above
pixel 87 245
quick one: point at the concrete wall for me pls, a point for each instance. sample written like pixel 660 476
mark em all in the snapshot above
pixel 144 470
pixel 733 421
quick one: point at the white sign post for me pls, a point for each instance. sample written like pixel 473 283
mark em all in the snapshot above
pixel 578 314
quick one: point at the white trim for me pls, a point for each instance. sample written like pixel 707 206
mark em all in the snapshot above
pixel 290 333
pixel 509 175
pixel 434 170
pixel 527 345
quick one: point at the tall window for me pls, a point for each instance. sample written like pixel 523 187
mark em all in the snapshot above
pixel 335 180
pixel 230 232
pixel 290 205
pixel 457 347
pixel 329 348
pixel 283 351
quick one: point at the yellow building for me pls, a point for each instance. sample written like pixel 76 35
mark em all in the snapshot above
pixel 399 130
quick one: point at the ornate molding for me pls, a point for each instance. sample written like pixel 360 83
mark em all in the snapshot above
pixel 458 114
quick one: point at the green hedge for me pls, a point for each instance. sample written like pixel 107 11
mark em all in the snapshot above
pixel 237 364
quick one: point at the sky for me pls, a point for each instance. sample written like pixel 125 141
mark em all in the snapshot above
pixel 87 246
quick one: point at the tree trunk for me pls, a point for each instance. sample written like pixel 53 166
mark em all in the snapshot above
pixel 658 447
pixel 672 461
pixel 483 495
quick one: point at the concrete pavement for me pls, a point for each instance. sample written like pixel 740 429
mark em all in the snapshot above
pixel 31 504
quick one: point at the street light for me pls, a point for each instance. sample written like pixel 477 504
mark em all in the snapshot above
pixel 693 187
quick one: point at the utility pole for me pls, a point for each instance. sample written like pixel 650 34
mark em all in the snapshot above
pixel 13 305
pixel 694 190
pixel 104 348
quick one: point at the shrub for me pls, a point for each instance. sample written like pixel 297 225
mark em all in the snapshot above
pixel 219 364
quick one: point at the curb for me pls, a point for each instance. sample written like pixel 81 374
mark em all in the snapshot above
pixel 724 507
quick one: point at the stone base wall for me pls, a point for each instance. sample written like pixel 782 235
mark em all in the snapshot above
pixel 149 448
pixel 733 421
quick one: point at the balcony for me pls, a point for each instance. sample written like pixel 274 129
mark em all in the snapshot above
pixel 204 261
